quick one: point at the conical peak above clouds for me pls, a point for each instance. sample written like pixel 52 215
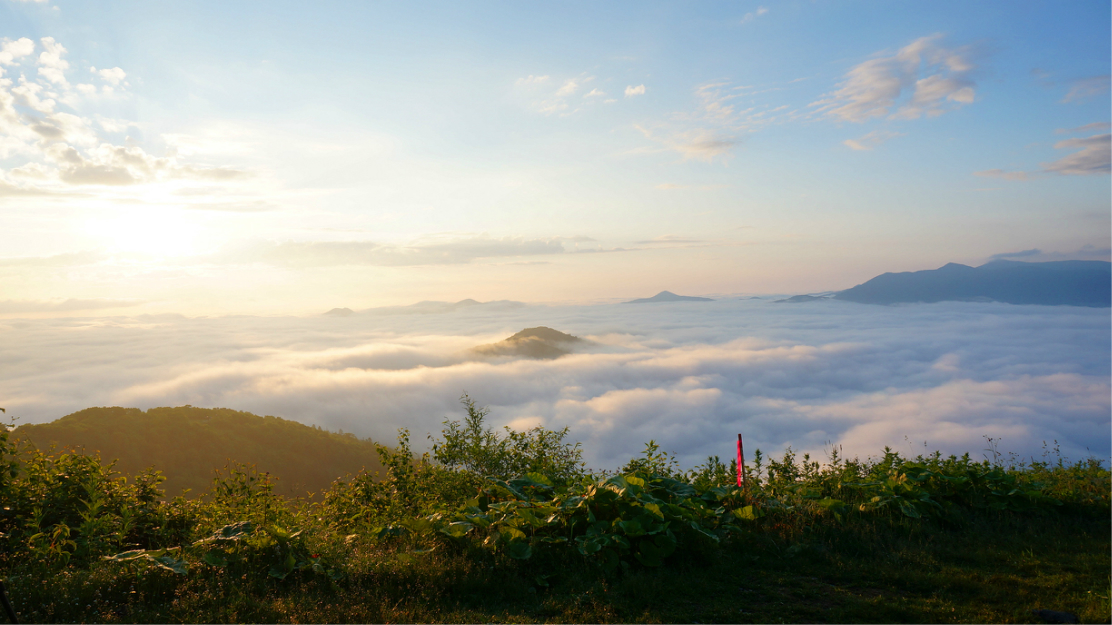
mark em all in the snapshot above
pixel 668 296
pixel 539 342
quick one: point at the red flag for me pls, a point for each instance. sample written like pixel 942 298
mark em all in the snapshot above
pixel 740 461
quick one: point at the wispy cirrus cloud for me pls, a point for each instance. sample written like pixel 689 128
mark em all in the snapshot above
pixel 1004 175
pixel 436 252
pixel 752 15
pixel 923 78
pixel 1093 156
pixel 1084 88
pixel 702 144
pixel 1082 129
pixel 561 97
pixel 871 140
pixel 722 115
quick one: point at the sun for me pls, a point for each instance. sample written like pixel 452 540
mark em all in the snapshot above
pixel 149 230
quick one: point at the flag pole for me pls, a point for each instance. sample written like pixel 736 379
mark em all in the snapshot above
pixel 742 478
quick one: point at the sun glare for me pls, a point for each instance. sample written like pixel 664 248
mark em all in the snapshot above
pixel 159 232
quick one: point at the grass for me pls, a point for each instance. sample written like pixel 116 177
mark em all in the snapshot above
pixel 996 568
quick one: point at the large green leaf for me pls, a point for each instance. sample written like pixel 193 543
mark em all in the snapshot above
pixel 134 555
pixel 419 525
pixel 519 550
pixel 511 534
pixel 171 564
pixel 229 533
pixel 631 527
pixel 908 509
pixel 748 513
pixel 458 529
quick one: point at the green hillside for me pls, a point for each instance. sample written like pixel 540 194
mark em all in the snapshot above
pixel 187 444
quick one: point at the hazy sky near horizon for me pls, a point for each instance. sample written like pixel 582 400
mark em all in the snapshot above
pixel 286 158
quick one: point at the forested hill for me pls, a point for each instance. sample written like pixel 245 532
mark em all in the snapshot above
pixel 187 444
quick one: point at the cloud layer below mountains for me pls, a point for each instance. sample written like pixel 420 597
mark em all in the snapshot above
pixel 688 375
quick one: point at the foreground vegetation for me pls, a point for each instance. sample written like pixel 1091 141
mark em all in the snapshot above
pixel 510 526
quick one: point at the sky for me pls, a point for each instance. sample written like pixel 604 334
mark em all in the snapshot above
pixel 279 158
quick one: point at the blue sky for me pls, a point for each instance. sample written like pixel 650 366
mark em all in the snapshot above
pixel 279 157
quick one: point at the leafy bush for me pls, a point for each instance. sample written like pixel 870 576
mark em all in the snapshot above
pixel 470 448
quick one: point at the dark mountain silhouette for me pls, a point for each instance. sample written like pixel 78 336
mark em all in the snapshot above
pixel 668 296
pixel 187 444
pixel 539 342
pixel 1057 283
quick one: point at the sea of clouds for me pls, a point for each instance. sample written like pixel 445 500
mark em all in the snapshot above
pixel 689 375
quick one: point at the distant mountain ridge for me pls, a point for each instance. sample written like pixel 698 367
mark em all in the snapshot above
pixel 539 342
pixel 187 444
pixel 1054 283
pixel 426 307
pixel 668 296
pixel 800 299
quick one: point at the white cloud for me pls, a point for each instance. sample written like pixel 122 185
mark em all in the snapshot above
pixel 689 377
pixel 631 91
pixel 559 100
pixel 51 64
pixel 41 123
pixel 752 15
pixel 923 78
pixel 11 50
pixel 532 80
pixel 116 165
pixel 113 75
pixel 10 190
pixel 569 87
pixel 1093 156
pixel 871 140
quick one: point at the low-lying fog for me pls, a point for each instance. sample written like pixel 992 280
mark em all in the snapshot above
pixel 689 375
